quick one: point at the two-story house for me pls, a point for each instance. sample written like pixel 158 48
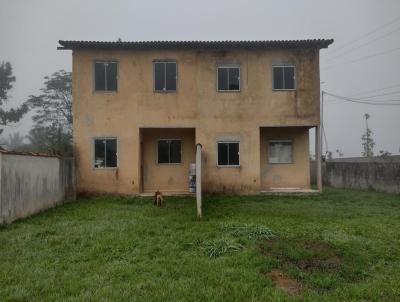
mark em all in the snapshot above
pixel 140 108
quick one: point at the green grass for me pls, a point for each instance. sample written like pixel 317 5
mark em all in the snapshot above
pixel 126 249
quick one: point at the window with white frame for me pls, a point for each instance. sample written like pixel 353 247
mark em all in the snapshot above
pixel 169 151
pixel 105 152
pixel 165 76
pixel 105 75
pixel 228 78
pixel 284 77
pixel 280 152
pixel 228 154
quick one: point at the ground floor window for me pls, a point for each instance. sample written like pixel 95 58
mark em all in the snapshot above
pixel 169 151
pixel 105 152
pixel 280 152
pixel 228 153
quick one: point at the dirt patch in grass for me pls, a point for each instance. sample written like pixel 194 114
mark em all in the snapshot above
pixel 306 255
pixel 312 263
pixel 284 283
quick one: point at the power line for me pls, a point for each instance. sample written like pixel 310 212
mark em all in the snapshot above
pixel 375 90
pixel 382 94
pixel 366 34
pixel 362 45
pixel 364 101
pixel 363 58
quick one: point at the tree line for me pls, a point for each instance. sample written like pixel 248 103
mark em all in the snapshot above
pixel 51 111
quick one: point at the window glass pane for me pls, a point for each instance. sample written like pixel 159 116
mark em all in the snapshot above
pixel 159 76
pixel 163 152
pixel 234 74
pixel 171 76
pixel 99 156
pixel 234 154
pixel 99 76
pixel 111 69
pixel 175 152
pixel 278 77
pixel 222 154
pixel 223 79
pixel 286 152
pixel 111 153
pixel 273 154
pixel 289 77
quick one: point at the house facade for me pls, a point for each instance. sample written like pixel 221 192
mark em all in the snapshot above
pixel 140 108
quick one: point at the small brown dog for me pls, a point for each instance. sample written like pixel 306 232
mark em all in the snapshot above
pixel 158 199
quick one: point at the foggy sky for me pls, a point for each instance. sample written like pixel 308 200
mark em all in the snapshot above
pixel 29 31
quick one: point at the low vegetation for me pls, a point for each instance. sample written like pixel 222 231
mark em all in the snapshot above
pixel 339 246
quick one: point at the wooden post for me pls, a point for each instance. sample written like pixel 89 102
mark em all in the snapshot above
pixel 198 180
pixel 318 156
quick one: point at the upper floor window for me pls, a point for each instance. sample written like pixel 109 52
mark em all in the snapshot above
pixel 105 75
pixel 228 78
pixel 169 151
pixel 105 153
pixel 283 78
pixel 165 76
pixel 228 154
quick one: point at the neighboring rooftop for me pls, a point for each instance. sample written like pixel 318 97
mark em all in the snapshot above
pixel 209 45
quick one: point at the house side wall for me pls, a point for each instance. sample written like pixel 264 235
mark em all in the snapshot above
pixel 196 104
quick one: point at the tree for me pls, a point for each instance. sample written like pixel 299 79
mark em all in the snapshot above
pixel 367 141
pixel 7 80
pixel 52 132
pixel 51 140
pixel 15 141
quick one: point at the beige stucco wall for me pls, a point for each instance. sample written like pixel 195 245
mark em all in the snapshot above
pixel 292 175
pixel 196 104
pixel 167 177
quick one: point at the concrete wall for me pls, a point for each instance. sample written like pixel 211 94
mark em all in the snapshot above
pixel 196 104
pixel 376 176
pixel 383 177
pixel 30 184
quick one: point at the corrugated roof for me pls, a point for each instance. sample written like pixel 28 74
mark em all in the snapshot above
pixel 207 45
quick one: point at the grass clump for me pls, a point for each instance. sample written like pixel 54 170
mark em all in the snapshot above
pixel 250 231
pixel 215 248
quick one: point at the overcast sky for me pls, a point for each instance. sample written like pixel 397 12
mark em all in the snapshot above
pixel 29 31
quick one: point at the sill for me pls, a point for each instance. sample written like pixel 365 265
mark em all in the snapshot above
pixel 165 91
pixel 284 89
pixel 170 164
pixel 106 168
pixel 105 91
pixel 291 163
pixel 228 166
pixel 228 90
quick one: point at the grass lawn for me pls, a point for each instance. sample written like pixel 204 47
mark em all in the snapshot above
pixel 339 246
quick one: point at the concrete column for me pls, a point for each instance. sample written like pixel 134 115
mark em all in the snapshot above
pixel 318 156
pixel 198 180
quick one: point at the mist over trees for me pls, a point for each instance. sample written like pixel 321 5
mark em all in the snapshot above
pixel 52 130
pixel 52 114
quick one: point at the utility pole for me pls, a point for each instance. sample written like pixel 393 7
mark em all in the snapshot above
pixel 318 145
